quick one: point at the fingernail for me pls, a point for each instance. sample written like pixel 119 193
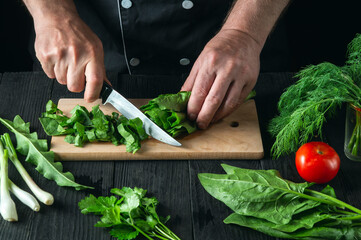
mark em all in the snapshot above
pixel 202 126
pixel 192 117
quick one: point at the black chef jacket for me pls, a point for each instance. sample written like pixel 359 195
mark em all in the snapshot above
pixel 153 36
pixel 159 37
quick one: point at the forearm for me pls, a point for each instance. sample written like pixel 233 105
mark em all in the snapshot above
pixel 256 18
pixel 46 12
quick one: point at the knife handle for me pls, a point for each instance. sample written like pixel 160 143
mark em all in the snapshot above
pixel 105 92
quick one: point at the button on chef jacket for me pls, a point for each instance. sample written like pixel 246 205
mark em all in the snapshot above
pixel 153 37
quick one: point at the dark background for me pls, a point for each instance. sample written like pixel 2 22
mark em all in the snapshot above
pixel 316 31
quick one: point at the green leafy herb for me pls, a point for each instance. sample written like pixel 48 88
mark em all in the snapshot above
pixel 94 126
pixel 264 201
pixel 319 91
pixel 36 152
pixel 169 112
pixel 304 232
pixel 128 215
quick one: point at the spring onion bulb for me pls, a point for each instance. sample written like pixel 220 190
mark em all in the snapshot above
pixel 40 194
pixel 7 205
pixel 24 196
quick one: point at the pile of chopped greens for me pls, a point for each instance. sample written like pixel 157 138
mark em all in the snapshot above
pixel 168 111
pixel 264 201
pixel 320 90
pixel 94 126
pixel 128 216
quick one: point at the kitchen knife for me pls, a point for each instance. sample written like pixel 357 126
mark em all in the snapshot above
pixel 109 95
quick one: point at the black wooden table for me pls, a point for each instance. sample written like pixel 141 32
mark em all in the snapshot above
pixel 194 213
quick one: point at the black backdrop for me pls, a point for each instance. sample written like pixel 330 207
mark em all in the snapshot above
pixel 317 31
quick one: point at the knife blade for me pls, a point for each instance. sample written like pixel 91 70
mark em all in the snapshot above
pixel 109 95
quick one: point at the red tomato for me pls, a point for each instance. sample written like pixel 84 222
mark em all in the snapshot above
pixel 317 162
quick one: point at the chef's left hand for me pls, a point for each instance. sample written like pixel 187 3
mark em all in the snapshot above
pixel 223 75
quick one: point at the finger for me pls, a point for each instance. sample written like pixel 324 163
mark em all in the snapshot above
pixel 75 79
pixel 107 80
pixel 189 82
pixel 234 98
pixel 48 68
pixel 202 85
pixel 46 61
pixel 213 101
pixel 60 70
pixel 94 76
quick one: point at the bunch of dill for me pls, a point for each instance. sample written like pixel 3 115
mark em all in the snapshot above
pixel 319 91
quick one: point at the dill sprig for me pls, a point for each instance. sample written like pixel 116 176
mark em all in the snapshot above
pixel 354 51
pixel 320 90
pixel 353 63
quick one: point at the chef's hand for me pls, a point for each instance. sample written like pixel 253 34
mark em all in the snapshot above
pixel 223 75
pixel 69 51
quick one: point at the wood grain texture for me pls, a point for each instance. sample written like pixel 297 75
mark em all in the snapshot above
pixel 195 215
pixel 219 141
pixel 168 181
pixel 20 95
pixel 26 94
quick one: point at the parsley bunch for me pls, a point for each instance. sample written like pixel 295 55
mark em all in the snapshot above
pixel 129 216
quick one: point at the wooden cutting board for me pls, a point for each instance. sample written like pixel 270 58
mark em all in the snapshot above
pixel 235 137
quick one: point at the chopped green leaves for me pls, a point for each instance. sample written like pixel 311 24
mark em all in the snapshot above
pixel 167 111
pixel 94 126
pixel 128 216
pixel 172 102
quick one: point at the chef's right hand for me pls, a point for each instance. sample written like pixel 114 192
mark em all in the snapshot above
pixel 69 51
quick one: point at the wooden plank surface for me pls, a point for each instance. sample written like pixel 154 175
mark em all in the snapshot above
pixel 195 215
pixel 220 141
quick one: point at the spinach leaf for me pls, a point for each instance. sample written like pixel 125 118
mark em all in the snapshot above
pixel 84 126
pixel 53 128
pixel 258 193
pixel 295 230
pixel 79 114
pixel 264 201
pixel 169 112
pixel 36 152
pixel 128 129
pixel 172 102
pixel 52 108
